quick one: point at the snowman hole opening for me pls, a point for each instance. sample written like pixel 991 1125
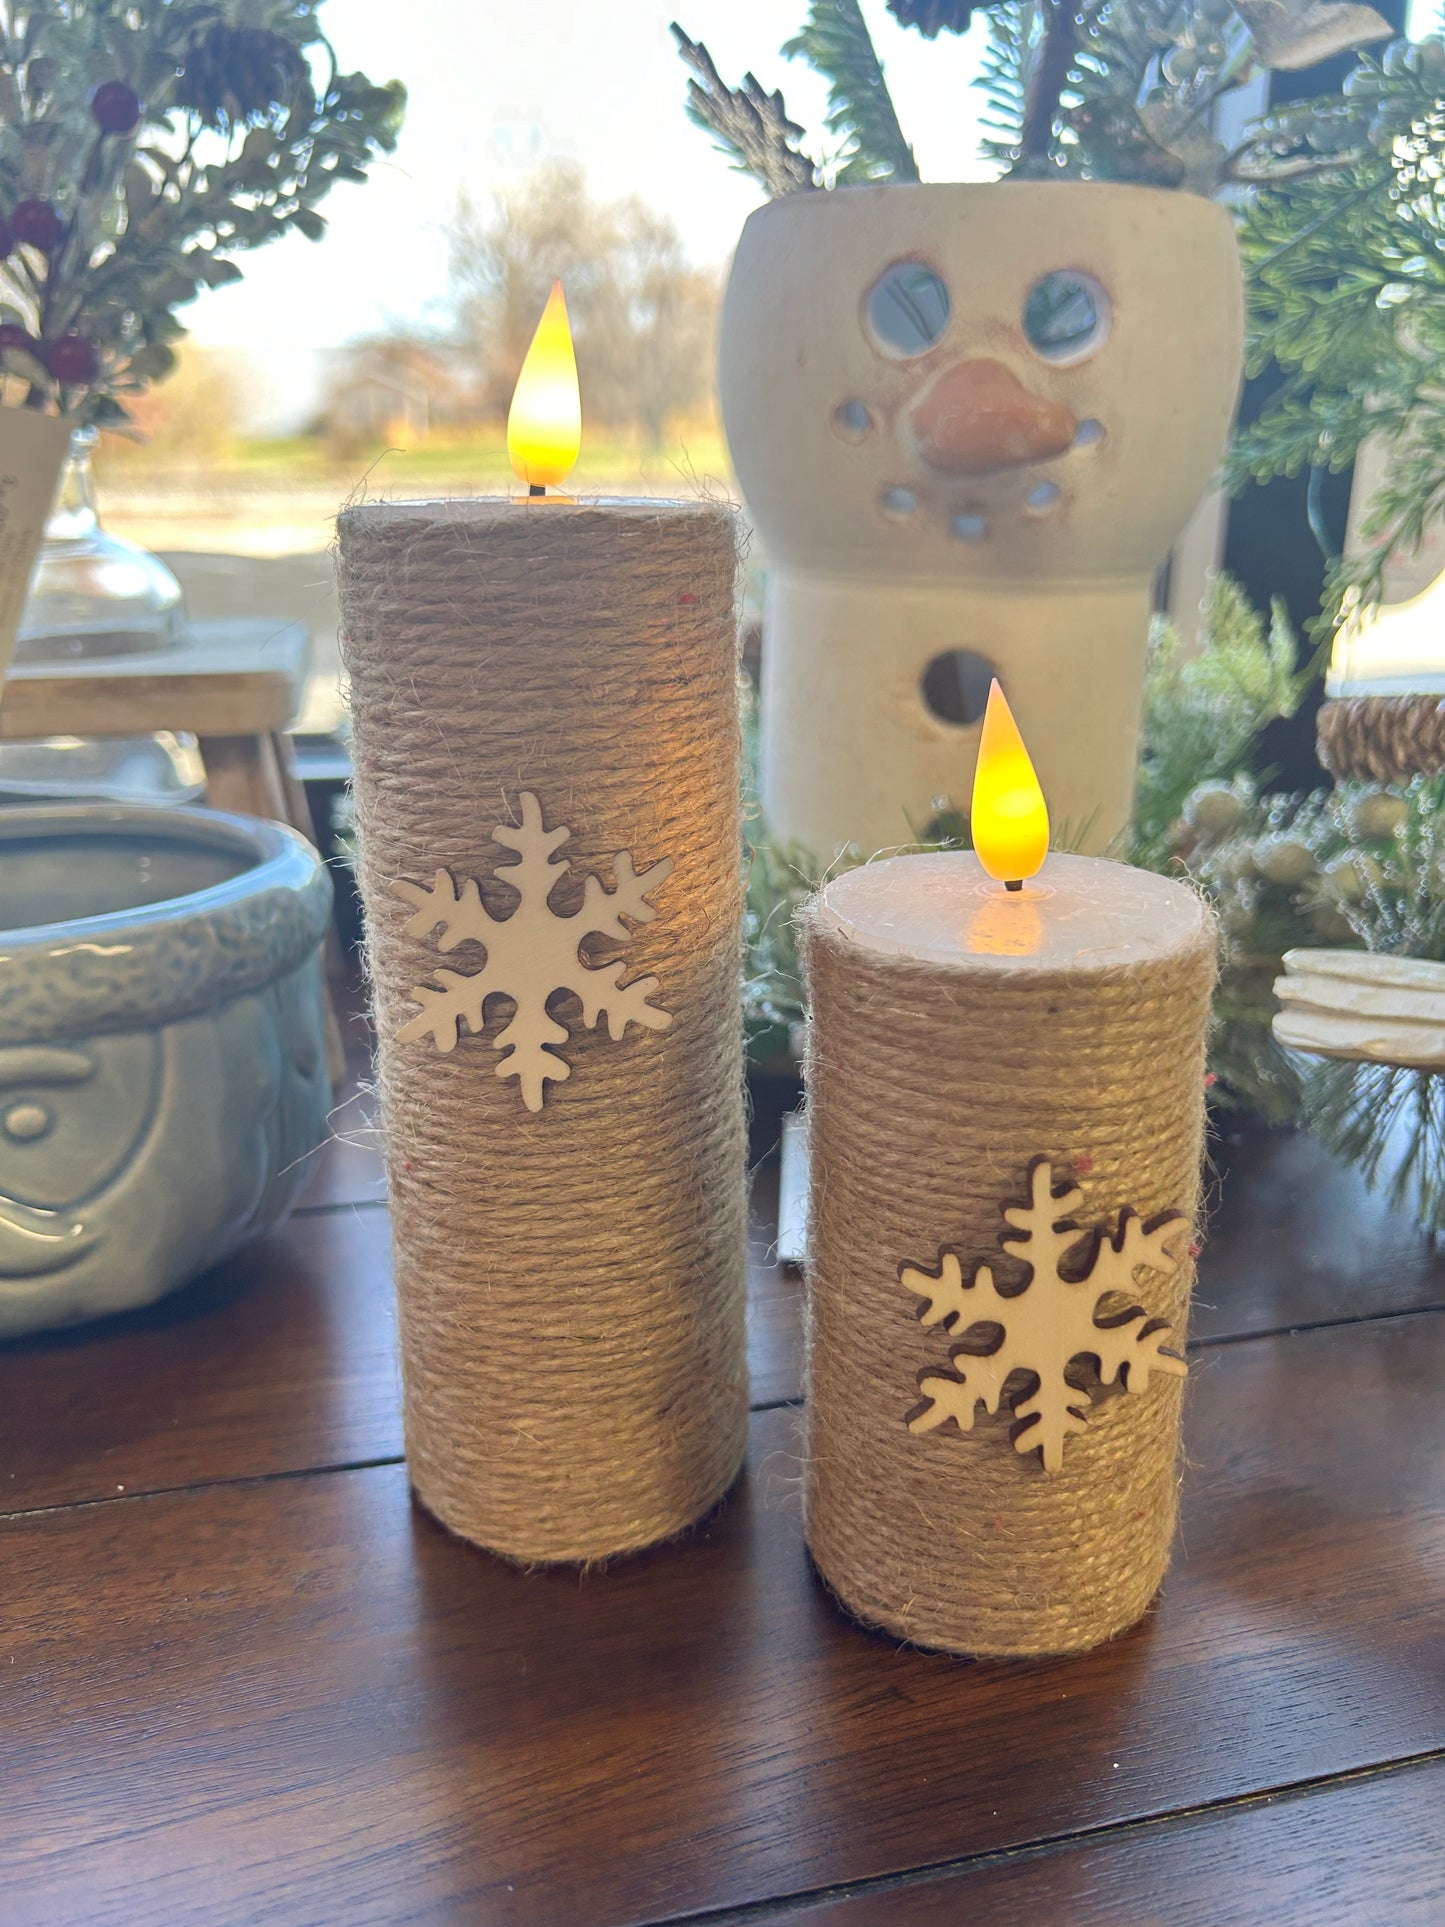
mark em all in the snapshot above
pixel 852 421
pixel 1042 499
pixel 898 503
pixel 907 309
pixel 969 526
pixel 1090 433
pixel 1066 316
pixel 955 686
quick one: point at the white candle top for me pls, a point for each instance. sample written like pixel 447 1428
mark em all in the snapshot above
pixel 1080 913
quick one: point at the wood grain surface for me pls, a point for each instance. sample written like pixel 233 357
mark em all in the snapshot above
pixel 243 1680
pixel 283 1359
pixel 296 1699
pixel 232 677
pixel 1305 1859
pixel 1295 1238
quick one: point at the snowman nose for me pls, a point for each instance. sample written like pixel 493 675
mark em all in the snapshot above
pixel 978 416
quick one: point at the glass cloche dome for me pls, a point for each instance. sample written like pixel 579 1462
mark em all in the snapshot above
pixel 93 594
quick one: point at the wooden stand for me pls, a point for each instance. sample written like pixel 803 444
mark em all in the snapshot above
pixel 236 689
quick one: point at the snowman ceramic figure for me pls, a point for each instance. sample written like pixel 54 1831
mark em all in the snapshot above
pixel 968 422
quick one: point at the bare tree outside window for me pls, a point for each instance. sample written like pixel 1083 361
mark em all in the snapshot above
pixel 643 318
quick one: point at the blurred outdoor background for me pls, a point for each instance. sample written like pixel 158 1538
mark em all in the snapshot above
pixel 538 141
pixel 252 455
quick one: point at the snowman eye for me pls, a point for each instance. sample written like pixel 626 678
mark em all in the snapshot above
pixel 907 309
pixel 1066 315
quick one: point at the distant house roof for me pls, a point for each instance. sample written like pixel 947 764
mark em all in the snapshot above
pixel 424 379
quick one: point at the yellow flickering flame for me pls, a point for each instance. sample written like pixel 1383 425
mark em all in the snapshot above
pixel 1010 819
pixel 544 424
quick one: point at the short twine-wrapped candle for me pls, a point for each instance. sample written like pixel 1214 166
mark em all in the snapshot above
pixel 569 1240
pixel 960 1035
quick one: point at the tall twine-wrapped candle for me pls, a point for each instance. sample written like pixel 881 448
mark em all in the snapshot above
pixel 962 1036
pixel 569 1252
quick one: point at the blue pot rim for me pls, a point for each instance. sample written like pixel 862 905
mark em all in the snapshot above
pixel 136 969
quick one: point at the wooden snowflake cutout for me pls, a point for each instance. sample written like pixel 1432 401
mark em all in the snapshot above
pixel 532 953
pixel 1053 1323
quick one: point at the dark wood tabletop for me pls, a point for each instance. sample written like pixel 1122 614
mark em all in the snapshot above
pixel 244 1679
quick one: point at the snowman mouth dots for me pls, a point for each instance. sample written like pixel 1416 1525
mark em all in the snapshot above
pixel 976 420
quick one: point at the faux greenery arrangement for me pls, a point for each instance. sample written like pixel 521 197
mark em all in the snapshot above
pixel 1204 709
pixel 1361 865
pixel 1390 1123
pixel 143 145
pixel 1282 871
pixel 1197 792
pixel 1344 246
pixel 1115 90
pixel 1346 279
pixel 1199 812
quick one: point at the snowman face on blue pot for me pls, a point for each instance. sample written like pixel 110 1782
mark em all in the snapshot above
pixel 130 1162
pixel 73 1119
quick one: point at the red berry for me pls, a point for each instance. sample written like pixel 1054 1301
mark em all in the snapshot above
pixel 37 224
pixel 12 335
pixel 7 239
pixel 72 359
pixel 115 108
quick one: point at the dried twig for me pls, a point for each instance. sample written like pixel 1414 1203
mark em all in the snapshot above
pixel 747 122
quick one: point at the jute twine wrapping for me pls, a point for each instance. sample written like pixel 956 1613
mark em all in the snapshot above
pixel 931 1089
pixel 1383 739
pixel 570 1283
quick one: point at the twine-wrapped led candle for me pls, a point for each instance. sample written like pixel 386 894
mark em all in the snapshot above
pixel 1006 1120
pixel 546 753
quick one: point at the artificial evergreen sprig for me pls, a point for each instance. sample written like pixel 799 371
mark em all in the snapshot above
pixel 752 126
pixel 1002 80
pixel 143 148
pixel 1125 89
pixel 1205 706
pixel 1118 90
pixel 835 41
pixel 748 124
pixel 1389 1125
pixel 1346 276
pixel 1388 1122
pixel 1198 812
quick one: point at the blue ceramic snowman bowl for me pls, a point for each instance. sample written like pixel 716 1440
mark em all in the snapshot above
pixel 163 1069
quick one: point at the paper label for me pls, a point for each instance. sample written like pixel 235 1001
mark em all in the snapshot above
pixel 32 449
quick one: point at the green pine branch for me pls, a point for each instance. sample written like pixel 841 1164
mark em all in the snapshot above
pixel 1205 706
pixel 1388 1122
pixel 1001 79
pixel 1346 278
pixel 835 40
pixel 1390 1125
